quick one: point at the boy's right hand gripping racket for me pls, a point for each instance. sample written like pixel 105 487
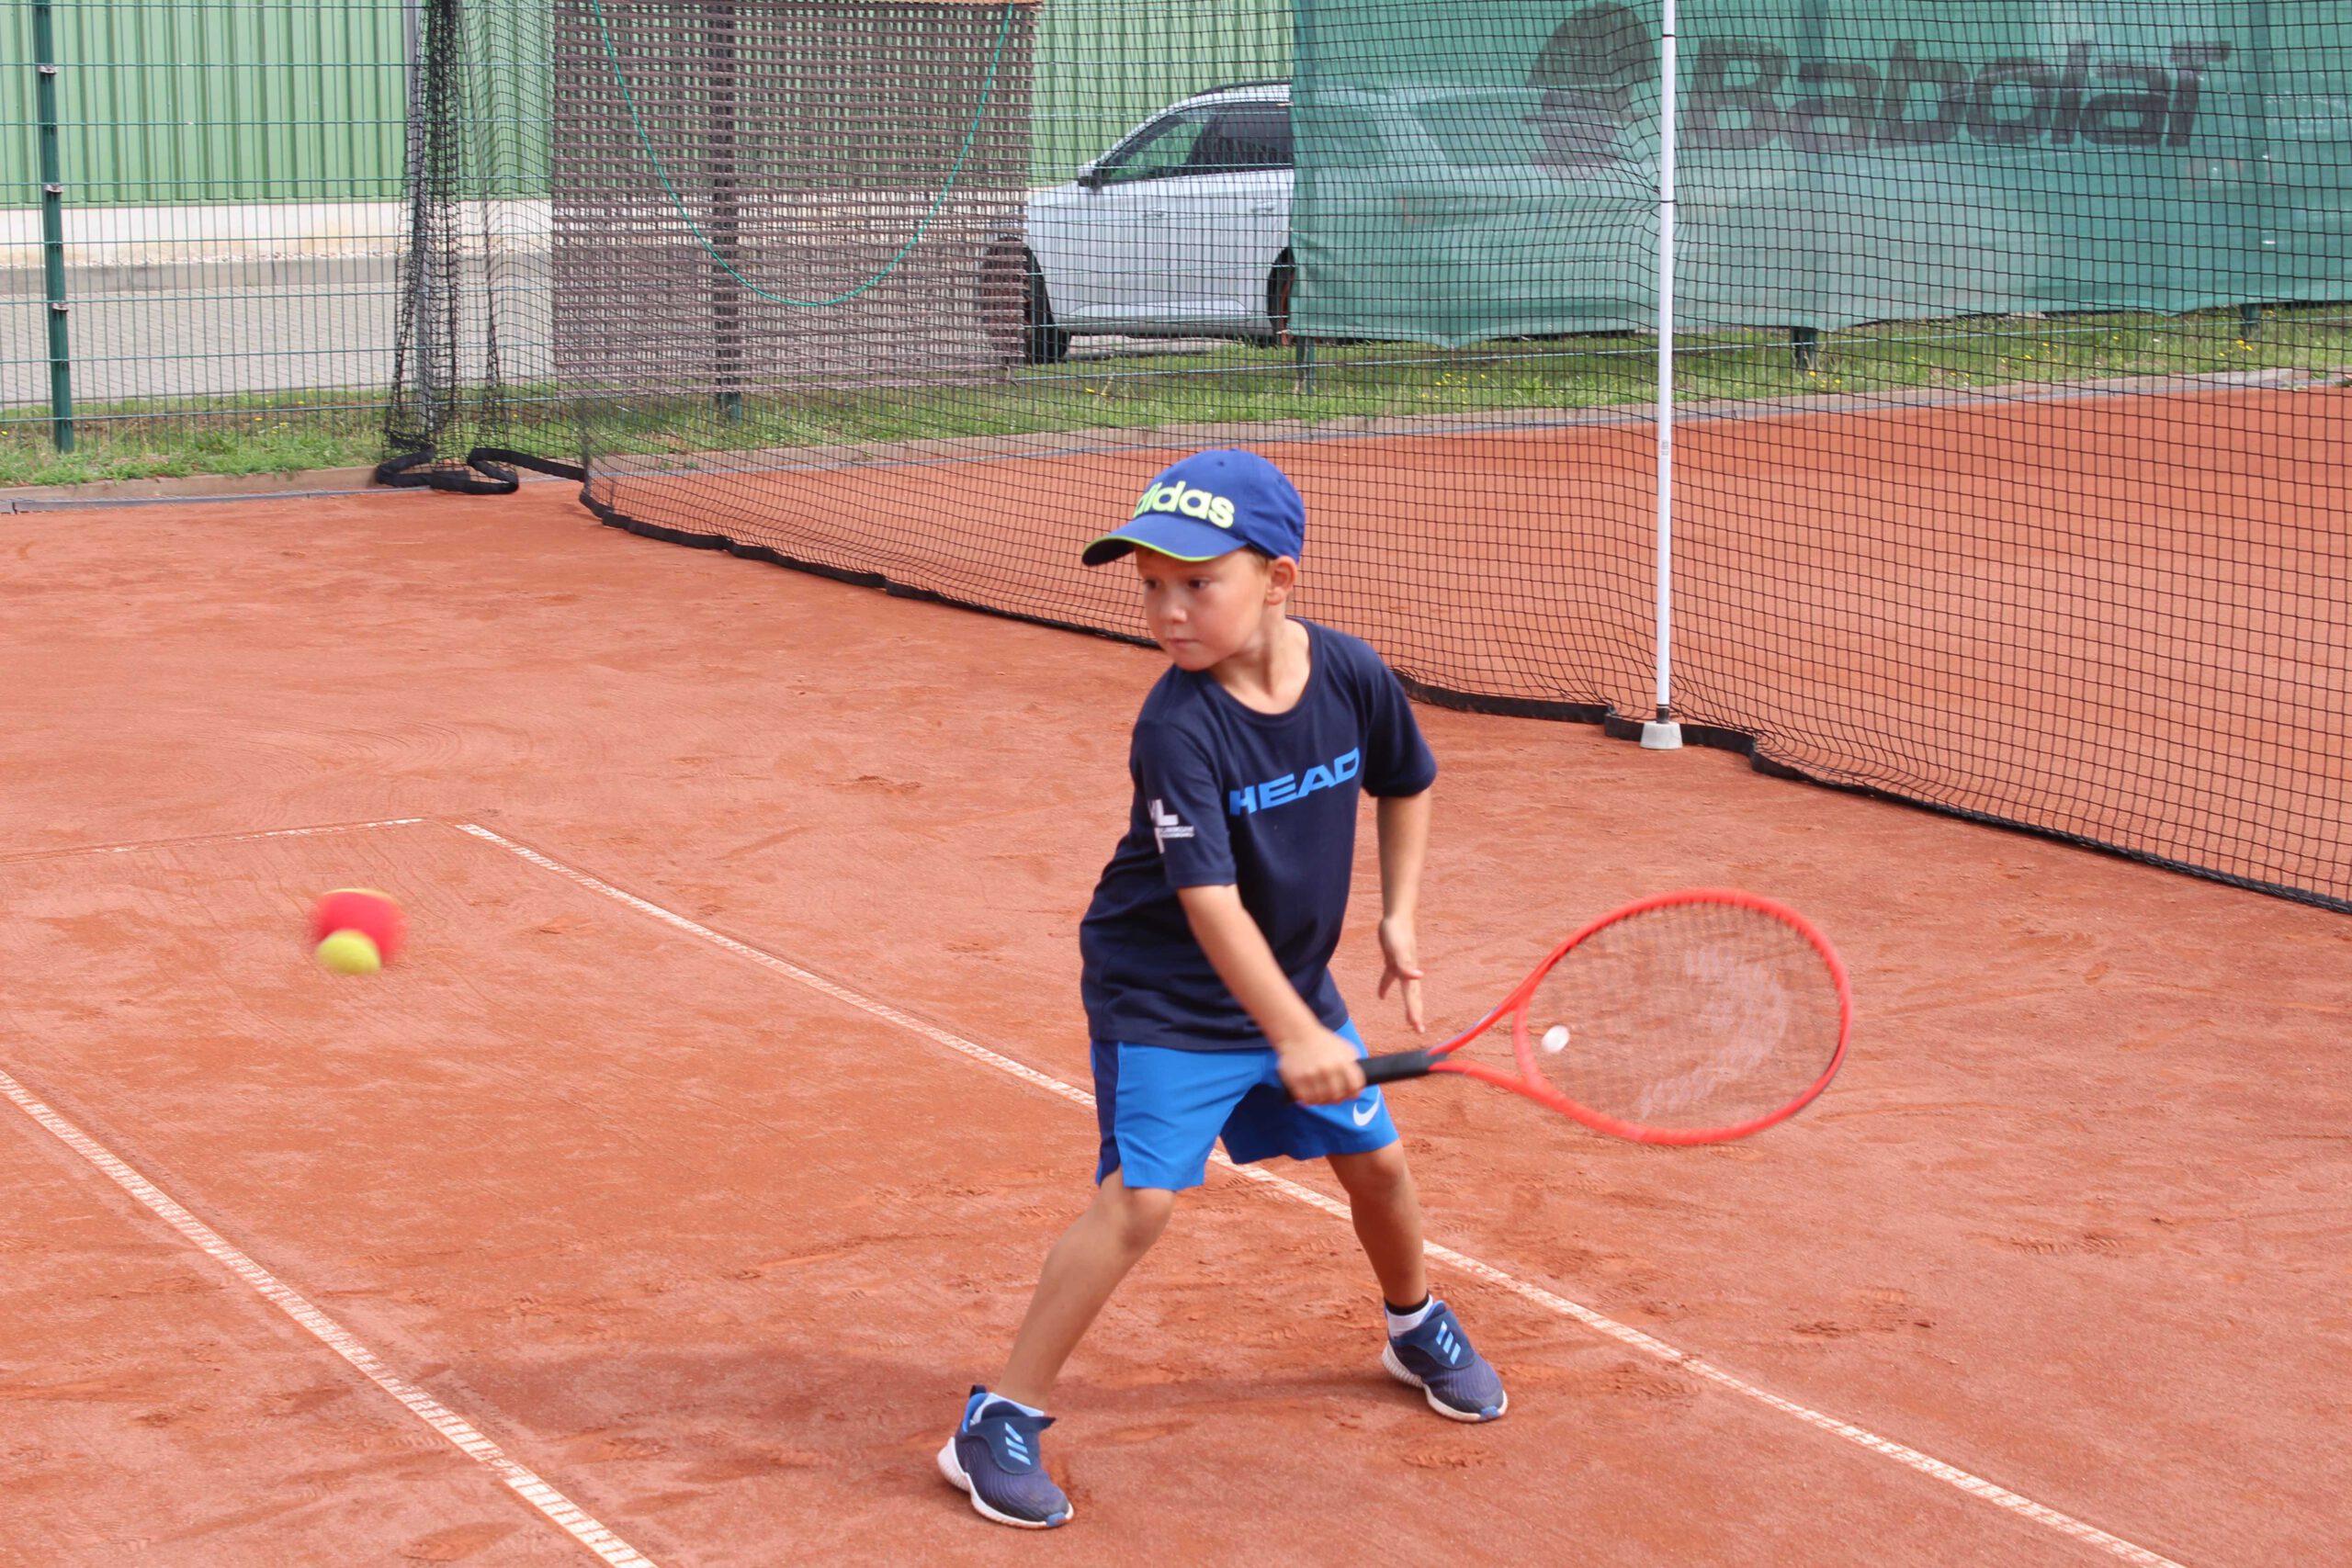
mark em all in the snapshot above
pixel 1687 1017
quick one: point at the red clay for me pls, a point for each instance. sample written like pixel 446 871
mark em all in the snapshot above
pixel 717 1256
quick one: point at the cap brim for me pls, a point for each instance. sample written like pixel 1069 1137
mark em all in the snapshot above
pixel 1168 534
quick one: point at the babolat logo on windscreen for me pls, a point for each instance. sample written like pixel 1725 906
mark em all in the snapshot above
pixel 1187 500
pixel 1598 67
pixel 1744 94
pixel 1294 787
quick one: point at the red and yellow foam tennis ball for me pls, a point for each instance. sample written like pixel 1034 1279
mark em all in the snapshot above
pixel 356 930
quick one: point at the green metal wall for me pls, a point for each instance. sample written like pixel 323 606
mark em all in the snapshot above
pixel 1104 64
pixel 303 100
pixel 211 100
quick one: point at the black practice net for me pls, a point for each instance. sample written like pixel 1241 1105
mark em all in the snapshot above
pixel 473 371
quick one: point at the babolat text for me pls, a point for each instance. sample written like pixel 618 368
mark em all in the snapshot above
pixel 1745 94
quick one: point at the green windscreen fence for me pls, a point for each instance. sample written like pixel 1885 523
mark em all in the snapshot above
pixel 1838 163
pixel 2011 348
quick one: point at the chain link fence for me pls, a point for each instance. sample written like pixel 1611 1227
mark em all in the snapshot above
pixel 201 220
pixel 202 212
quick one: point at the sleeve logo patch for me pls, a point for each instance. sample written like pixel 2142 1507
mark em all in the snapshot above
pixel 1167 824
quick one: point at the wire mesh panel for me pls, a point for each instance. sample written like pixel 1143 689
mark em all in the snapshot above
pixel 231 182
pixel 784 195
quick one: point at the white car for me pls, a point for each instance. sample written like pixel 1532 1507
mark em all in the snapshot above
pixel 1183 229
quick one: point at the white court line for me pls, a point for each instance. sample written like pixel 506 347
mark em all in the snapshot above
pixel 209 839
pixel 422 1406
pixel 1599 1323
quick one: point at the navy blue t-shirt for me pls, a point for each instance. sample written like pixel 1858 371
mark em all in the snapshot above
pixel 1264 802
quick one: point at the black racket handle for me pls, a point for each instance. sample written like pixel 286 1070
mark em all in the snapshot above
pixel 1397 1065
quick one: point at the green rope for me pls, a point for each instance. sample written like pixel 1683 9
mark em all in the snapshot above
pixel 987 86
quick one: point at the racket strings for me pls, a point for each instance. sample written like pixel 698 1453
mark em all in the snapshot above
pixel 1686 1017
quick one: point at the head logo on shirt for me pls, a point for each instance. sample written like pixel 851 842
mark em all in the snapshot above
pixel 1253 799
pixel 1167 824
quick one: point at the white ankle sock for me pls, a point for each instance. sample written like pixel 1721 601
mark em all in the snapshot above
pixel 1000 1399
pixel 1405 1323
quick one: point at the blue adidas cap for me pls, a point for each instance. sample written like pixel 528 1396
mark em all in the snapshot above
pixel 1211 505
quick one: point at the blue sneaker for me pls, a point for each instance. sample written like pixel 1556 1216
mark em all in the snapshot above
pixel 1437 1359
pixel 993 1456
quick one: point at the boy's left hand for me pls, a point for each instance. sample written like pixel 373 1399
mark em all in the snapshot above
pixel 1401 966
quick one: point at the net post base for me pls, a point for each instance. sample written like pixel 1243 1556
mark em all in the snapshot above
pixel 1661 735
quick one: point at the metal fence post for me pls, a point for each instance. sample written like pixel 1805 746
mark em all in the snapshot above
pixel 2266 246
pixel 423 250
pixel 53 230
pixel 725 215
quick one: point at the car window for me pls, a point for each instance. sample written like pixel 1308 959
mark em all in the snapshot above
pixel 1162 149
pixel 1478 129
pixel 1346 136
pixel 1250 136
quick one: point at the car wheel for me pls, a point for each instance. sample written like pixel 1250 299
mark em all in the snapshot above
pixel 1042 343
pixel 1015 316
pixel 1279 285
pixel 1004 290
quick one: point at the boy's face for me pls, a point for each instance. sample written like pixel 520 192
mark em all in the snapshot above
pixel 1203 613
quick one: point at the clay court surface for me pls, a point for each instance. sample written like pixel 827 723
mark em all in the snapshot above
pixel 714 1251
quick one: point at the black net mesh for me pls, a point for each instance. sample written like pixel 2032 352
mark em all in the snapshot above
pixel 472 376
pixel 775 200
pixel 2010 352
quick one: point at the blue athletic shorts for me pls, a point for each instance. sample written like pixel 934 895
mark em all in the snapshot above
pixel 1161 1109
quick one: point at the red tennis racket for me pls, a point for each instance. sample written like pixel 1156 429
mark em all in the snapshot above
pixel 1687 1017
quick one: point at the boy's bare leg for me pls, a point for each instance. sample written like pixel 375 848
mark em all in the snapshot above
pixel 1435 1356
pixel 1085 1266
pixel 1387 1212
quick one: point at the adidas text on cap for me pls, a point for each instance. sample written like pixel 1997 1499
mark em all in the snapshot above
pixel 1211 505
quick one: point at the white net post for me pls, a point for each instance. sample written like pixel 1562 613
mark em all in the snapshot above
pixel 1661 733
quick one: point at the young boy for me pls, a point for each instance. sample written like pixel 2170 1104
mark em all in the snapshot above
pixel 1206 992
